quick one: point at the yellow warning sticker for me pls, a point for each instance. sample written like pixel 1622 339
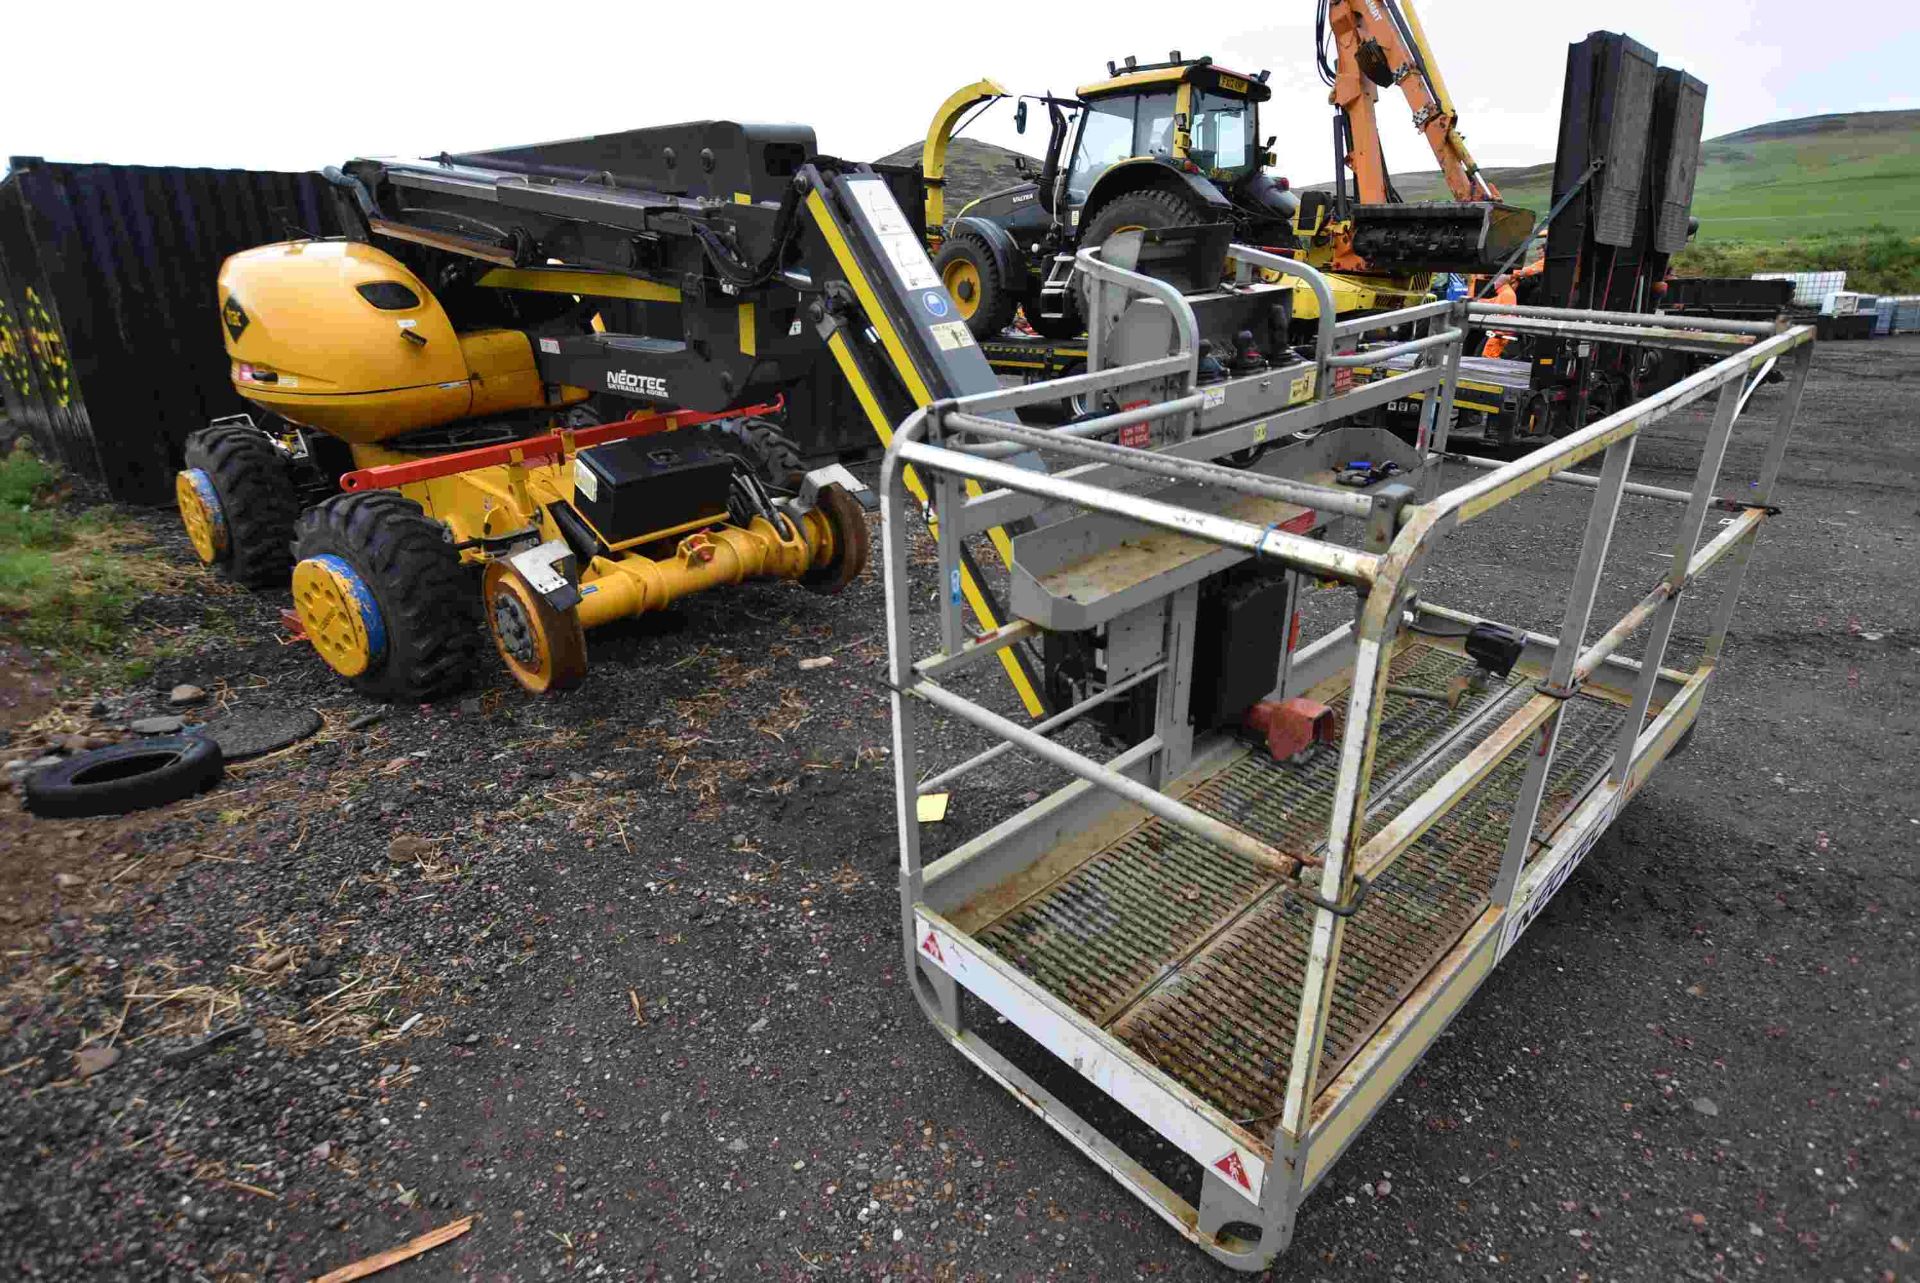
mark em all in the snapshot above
pixel 932 807
pixel 1301 389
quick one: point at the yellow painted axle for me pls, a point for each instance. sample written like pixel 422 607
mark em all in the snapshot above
pixel 628 584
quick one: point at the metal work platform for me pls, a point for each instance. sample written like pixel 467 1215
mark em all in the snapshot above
pixel 1245 926
pixel 1195 960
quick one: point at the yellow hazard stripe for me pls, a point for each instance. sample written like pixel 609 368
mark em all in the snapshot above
pixel 890 339
pixel 975 598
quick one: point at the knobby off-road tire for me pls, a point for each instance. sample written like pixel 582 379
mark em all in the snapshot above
pixel 773 455
pixel 257 500
pixel 1150 210
pixel 428 601
pixel 971 275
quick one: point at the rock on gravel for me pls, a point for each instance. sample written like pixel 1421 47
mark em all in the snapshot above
pixel 408 848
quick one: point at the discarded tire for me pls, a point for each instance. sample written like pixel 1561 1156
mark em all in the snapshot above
pixel 126 777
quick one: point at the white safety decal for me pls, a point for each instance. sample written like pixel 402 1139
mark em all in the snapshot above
pixel 1534 898
pixel 585 484
pixel 897 239
pixel 952 335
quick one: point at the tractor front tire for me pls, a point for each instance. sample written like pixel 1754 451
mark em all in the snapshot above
pixel 982 294
pixel 384 597
pixel 1151 210
pixel 237 498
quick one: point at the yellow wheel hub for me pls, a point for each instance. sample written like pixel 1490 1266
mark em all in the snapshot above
pixel 201 514
pixel 338 611
pixel 962 280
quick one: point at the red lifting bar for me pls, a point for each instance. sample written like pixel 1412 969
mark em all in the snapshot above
pixel 552 445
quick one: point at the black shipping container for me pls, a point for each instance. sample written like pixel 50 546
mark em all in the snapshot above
pixel 110 350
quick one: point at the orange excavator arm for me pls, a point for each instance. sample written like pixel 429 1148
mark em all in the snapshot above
pixel 1379 43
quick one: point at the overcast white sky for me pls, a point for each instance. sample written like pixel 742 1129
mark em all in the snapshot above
pixel 272 85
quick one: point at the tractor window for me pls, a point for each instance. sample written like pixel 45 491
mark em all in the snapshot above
pixel 1223 134
pixel 1106 136
pixel 1153 130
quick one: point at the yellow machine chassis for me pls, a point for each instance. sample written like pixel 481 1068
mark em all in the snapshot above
pixel 484 507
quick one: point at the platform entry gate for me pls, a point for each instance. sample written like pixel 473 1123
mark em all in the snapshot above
pixel 1245 941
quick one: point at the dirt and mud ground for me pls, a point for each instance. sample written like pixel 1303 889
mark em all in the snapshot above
pixel 618 974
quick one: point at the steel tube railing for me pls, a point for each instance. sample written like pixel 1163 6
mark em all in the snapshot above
pixel 1324 498
pixel 1085 428
pixel 1475 498
pixel 1574 478
pixel 1046 727
pixel 1330 560
pixel 1388 579
pixel 1707 324
pixel 1390 320
pixel 1374 356
pixel 1074 384
pixel 1248 848
pixel 978 649
pixel 1738 529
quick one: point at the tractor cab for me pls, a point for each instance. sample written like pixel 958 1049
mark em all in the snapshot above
pixel 1194 118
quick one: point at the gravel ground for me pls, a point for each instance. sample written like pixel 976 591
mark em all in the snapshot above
pixel 618 973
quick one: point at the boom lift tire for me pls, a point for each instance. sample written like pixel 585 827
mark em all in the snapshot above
pixel 385 598
pixel 1151 210
pixel 771 453
pixel 985 298
pixel 245 526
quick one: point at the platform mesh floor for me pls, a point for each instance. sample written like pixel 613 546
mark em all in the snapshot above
pixel 1195 960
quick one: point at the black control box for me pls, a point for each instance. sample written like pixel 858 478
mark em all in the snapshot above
pixel 1242 629
pixel 649 485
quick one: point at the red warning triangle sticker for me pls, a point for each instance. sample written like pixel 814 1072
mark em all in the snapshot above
pixel 931 947
pixel 1231 1167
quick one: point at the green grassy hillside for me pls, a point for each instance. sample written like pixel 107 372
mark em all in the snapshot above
pixel 1819 175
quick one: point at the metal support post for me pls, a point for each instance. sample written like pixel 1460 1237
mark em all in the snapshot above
pixel 1685 539
pixel 1573 632
pixel 1762 495
pixel 1436 418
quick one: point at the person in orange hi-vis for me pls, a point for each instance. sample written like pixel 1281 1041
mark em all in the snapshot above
pixel 1503 295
